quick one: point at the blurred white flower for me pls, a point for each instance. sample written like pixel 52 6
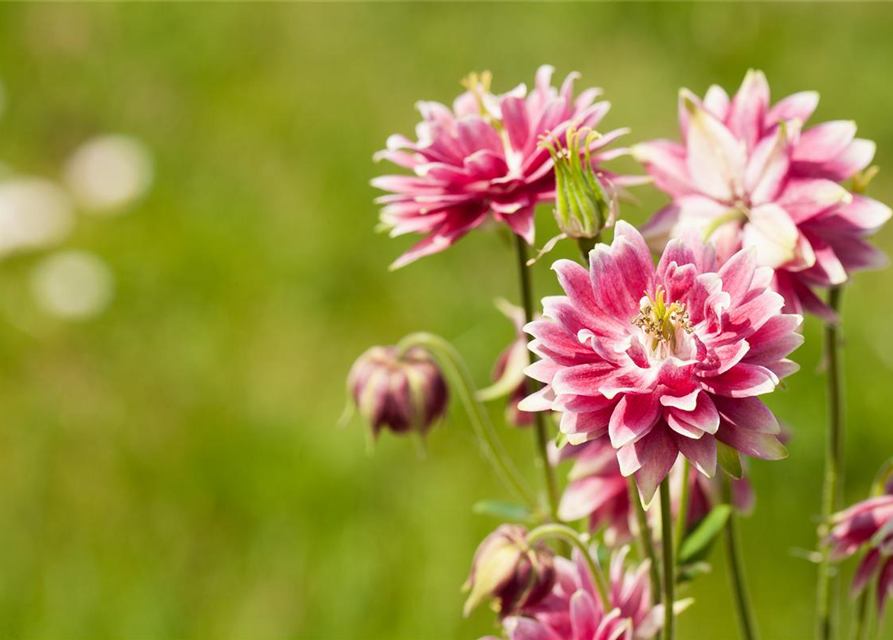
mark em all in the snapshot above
pixel 34 214
pixel 71 284
pixel 108 173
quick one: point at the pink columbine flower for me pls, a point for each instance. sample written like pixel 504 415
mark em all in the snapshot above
pixel 746 175
pixel 867 524
pixel 599 492
pixel 483 158
pixel 508 373
pixel 402 392
pixel 574 611
pixel 663 361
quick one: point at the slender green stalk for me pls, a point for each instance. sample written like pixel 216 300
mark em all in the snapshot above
pixel 455 368
pixel 827 593
pixel 735 566
pixel 682 516
pixel 540 432
pixel 861 615
pixel 564 532
pixel 669 573
pixel 645 540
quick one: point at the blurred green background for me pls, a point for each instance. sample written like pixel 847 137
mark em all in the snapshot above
pixel 172 468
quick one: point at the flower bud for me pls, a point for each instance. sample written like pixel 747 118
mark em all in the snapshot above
pixel 403 392
pixel 508 569
pixel 582 206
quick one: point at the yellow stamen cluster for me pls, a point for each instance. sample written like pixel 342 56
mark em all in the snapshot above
pixel 478 84
pixel 661 320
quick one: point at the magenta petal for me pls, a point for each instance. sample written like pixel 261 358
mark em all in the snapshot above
pixel 747 413
pixel 515 121
pixel 742 381
pixel 748 108
pixel 656 467
pixel 752 443
pixel 584 496
pixel 574 280
pixel 441 238
pixel 824 141
pixel 701 453
pixel 665 162
pixel 856 157
pixel 633 418
pixel 704 417
pixel 798 106
pixel 863 214
pixel 584 616
pixel 521 628
pixel 716 158
pixel 865 571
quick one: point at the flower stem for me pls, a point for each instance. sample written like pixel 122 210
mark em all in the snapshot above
pixel 564 532
pixel 682 516
pixel 861 615
pixel 645 540
pixel 826 609
pixel 541 435
pixel 455 368
pixel 669 573
pixel 735 566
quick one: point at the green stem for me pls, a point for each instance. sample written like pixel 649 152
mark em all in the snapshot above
pixel 645 541
pixel 669 573
pixel 861 615
pixel 564 532
pixel 541 435
pixel 743 608
pixel 454 366
pixel 826 609
pixel 682 516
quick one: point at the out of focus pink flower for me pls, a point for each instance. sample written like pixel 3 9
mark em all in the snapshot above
pixel 510 571
pixel 597 490
pixel 508 373
pixel 746 174
pixel 482 158
pixel 403 392
pixel 663 361
pixel 574 611
pixel 867 525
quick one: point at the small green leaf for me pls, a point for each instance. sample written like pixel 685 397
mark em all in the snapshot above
pixel 729 459
pixel 689 572
pixel 504 510
pixel 700 539
pixel 560 441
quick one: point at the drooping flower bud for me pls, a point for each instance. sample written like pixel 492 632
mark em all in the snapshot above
pixel 403 392
pixel 510 571
pixel 583 207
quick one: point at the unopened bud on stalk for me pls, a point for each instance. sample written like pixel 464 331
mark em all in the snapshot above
pixel 509 570
pixel 405 392
pixel 582 206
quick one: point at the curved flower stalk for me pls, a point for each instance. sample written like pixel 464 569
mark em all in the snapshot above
pixel 748 175
pixel 508 373
pixel 598 491
pixel 482 158
pixel 664 361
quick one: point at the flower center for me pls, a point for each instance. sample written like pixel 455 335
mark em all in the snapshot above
pixel 662 321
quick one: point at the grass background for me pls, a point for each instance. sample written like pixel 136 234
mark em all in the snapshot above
pixel 173 469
